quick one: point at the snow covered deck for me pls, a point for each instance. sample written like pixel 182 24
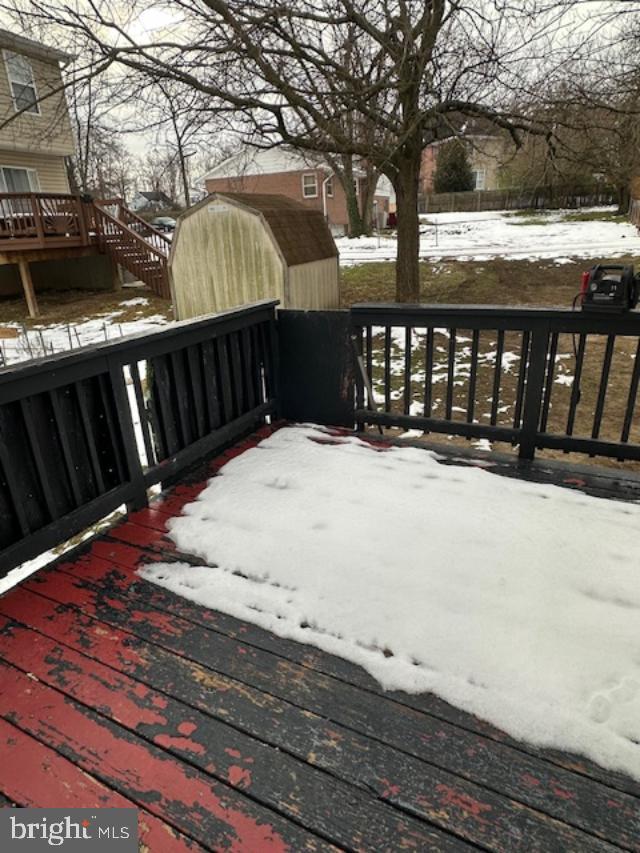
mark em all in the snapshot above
pixel 117 691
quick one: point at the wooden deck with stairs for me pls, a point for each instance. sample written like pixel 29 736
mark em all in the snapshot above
pixel 42 223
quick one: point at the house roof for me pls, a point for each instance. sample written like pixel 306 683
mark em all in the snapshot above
pixel 301 233
pixel 155 195
pixel 20 44
pixel 266 161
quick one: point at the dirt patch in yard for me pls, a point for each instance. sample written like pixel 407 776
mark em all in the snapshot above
pixel 499 282
pixel 491 282
pixel 75 306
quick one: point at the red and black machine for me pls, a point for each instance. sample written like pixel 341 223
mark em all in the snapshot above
pixel 610 288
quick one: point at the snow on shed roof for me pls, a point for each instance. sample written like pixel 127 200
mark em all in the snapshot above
pixel 301 233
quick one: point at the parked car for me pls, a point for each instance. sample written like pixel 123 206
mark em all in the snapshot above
pixel 164 223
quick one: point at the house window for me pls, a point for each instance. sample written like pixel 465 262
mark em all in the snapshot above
pixel 310 185
pixel 480 179
pixel 14 180
pixel 21 83
pixel 329 188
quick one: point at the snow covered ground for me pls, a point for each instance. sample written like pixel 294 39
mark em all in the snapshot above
pixel 501 234
pixel 41 339
pixel 516 601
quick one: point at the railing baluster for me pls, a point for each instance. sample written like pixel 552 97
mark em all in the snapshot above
pixel 249 387
pixel 181 396
pixel 631 399
pixel 546 403
pixel 210 384
pixel 236 372
pixel 162 384
pixel 602 391
pixel 575 390
pixel 497 378
pixel 67 454
pixel 369 335
pixel 387 369
pixel 111 427
pixel 536 364
pixel 473 376
pixel 36 452
pixel 11 479
pixel 142 411
pixel 451 372
pixel 428 374
pixel 522 373
pixel 406 394
pixel 225 380
pixel 89 436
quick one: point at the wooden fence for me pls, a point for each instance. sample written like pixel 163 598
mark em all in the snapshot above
pixel 83 433
pixel 541 198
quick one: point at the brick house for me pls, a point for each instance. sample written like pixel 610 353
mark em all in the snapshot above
pixel 486 154
pixel 302 178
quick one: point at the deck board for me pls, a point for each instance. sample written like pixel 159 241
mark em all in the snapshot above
pixel 226 736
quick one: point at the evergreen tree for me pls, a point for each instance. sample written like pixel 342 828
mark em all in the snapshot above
pixel 453 170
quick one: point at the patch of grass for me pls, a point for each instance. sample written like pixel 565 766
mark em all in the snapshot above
pixel 594 216
pixel 541 284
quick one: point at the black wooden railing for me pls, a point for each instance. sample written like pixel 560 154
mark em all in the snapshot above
pixel 537 378
pixel 83 433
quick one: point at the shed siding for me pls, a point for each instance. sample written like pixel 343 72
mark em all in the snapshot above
pixel 314 285
pixel 223 257
pixel 52 172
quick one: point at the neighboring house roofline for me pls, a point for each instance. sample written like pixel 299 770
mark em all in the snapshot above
pixel 35 49
pixel 249 163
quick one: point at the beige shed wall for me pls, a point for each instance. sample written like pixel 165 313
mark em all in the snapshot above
pixel 221 260
pixel 314 285
pixel 52 173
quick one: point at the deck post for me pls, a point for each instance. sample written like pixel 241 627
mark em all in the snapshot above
pixel 27 286
pixel 535 377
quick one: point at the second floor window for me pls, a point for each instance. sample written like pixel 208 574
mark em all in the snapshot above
pixel 310 185
pixel 21 82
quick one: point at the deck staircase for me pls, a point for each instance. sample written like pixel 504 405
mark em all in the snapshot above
pixel 133 243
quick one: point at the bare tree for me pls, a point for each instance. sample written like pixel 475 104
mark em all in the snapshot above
pixel 280 70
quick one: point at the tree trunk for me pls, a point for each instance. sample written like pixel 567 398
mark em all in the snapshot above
pixel 357 226
pixel 406 183
pixel 624 199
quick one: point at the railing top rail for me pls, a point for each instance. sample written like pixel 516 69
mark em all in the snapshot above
pixel 487 316
pixel 129 231
pixel 130 214
pixel 133 347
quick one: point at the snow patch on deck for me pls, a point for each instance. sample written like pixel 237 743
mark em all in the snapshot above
pixel 516 601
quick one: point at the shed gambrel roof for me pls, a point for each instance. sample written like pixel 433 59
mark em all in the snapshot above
pixel 301 233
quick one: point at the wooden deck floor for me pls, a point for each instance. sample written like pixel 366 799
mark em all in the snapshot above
pixel 115 692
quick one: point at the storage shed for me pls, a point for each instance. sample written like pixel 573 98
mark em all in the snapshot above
pixel 236 248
